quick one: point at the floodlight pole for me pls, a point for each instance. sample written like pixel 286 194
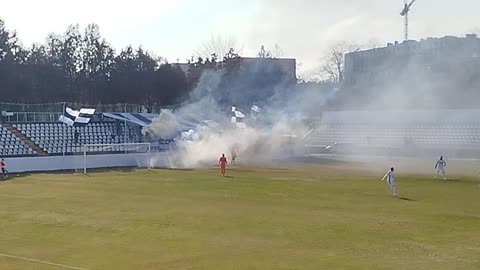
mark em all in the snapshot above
pixel 84 159
pixel 64 129
pixel 125 127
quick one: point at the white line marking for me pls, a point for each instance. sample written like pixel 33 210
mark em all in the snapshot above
pixel 43 262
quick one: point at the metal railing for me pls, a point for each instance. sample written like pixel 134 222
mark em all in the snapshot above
pixel 58 107
pixel 50 112
pixel 24 117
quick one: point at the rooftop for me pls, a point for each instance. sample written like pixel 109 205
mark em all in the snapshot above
pixel 427 43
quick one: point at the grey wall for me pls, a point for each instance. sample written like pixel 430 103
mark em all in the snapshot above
pixel 58 163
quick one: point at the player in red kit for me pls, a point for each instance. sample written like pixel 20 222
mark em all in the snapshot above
pixel 223 164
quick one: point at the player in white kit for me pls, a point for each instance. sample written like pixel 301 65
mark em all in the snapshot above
pixel 440 167
pixel 391 181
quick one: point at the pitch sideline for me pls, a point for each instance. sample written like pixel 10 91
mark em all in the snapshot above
pixel 41 262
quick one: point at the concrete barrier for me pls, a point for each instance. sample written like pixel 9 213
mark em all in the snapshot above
pixel 59 163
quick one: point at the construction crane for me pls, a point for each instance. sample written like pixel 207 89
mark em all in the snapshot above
pixel 404 13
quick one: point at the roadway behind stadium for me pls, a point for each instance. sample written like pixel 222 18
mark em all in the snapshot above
pixel 336 215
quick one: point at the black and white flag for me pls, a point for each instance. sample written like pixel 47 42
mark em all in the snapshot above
pixel 77 118
pixel 237 117
pixel 255 111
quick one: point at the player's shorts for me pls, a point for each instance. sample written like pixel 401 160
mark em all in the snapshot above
pixel 4 171
pixel 441 171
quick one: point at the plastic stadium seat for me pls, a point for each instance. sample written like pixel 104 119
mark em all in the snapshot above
pixel 52 137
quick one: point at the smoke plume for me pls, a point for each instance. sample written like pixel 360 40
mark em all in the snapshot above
pixel 273 128
pixel 164 126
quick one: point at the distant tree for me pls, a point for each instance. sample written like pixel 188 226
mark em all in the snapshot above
pixel 54 49
pixel 218 45
pixel 10 48
pixel 267 53
pixel 170 84
pixel 214 58
pixel 145 62
pixel 46 80
pixel 333 65
pixel 97 55
pixel 71 51
pixel 135 78
pixel 37 55
pixel 231 54
pixel 12 73
pixel 146 65
pixel 232 61
pixel 83 68
pixel 70 59
pixel 263 53
pixel 371 44
pixel 123 77
pixel 200 61
pixel 97 62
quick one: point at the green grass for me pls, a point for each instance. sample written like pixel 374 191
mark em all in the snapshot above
pixel 311 217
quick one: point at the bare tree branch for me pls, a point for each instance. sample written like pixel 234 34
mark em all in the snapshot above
pixel 267 53
pixel 218 45
pixel 333 65
pixel 263 53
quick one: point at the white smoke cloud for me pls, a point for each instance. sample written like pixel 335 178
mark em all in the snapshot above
pixel 204 146
pixel 164 126
pixel 204 130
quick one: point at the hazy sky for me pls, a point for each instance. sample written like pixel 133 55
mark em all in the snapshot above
pixel 304 29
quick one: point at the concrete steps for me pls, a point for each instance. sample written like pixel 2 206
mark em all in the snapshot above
pixel 25 140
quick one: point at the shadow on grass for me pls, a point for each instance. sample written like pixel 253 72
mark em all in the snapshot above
pixel 174 169
pixel 230 177
pixel 253 169
pixel 14 176
pixel 451 180
pixel 133 169
pixel 93 171
pixel 406 199
pixel 464 180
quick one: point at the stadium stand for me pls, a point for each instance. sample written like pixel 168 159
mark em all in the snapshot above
pixel 53 137
pixel 456 132
pixel 11 145
pixel 398 135
pixel 29 130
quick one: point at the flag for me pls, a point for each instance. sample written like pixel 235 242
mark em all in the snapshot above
pixel 255 111
pixel 77 118
pixel 237 117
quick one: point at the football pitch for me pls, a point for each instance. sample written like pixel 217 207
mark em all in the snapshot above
pixel 329 216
